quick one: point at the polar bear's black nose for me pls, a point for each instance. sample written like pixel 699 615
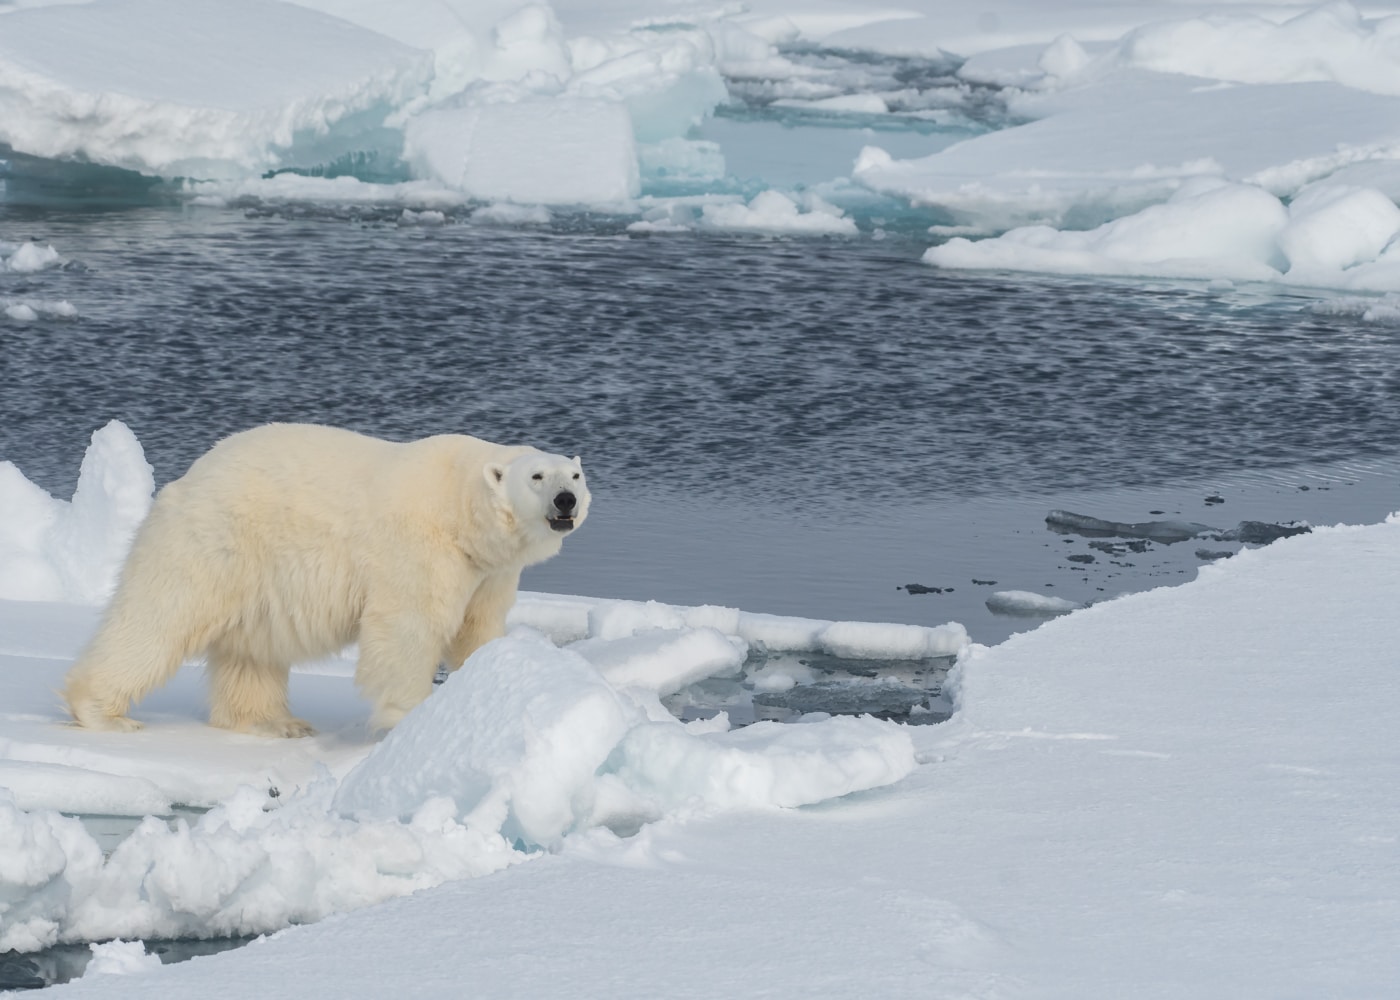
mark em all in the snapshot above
pixel 565 501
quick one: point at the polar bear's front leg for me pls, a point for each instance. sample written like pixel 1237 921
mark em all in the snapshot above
pixel 485 618
pixel 399 654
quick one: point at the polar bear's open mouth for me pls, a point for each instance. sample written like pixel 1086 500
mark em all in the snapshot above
pixel 561 523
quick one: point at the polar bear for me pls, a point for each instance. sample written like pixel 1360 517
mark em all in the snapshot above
pixel 289 541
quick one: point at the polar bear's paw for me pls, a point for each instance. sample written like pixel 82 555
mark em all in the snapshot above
pixel 107 723
pixel 288 728
pixel 91 712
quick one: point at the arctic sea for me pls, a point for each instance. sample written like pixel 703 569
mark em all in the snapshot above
pixel 803 426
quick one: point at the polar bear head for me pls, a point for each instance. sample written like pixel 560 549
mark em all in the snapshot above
pixel 545 493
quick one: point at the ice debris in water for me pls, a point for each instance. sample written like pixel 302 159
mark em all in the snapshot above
pixel 1249 532
pixel 1028 604
pixel 27 257
pixel 120 958
pixel 1157 531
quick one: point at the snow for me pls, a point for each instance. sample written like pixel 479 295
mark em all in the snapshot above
pixel 28 257
pixel 511 108
pixel 55 549
pixel 775 213
pixel 1191 771
pixel 528 744
pixel 120 958
pixel 200 88
pixel 569 152
pixel 1026 603
pixel 1184 792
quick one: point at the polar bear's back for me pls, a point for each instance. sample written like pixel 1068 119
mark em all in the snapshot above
pixel 283 528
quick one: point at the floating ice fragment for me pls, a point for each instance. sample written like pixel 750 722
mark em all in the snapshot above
pixel 429 217
pixel 775 213
pixel 120 958
pixel 505 214
pixel 31 257
pixel 1028 604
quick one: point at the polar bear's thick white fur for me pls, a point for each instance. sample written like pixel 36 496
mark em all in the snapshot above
pixel 288 542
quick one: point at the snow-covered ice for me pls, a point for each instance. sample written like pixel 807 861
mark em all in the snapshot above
pixel 1183 792
pixel 1029 604
pixel 527 744
pixel 1253 142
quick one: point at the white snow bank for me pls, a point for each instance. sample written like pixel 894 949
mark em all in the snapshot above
pixel 526 738
pixel 1331 42
pixel 523 745
pixel 513 739
pixel 55 550
pixel 195 87
pixel 1329 236
pixel 1087 158
pixel 246 867
pixel 1201 771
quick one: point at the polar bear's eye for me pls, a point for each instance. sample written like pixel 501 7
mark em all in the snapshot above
pixel 538 475
pixel 575 475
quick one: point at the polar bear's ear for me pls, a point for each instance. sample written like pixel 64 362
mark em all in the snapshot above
pixel 495 474
pixel 577 461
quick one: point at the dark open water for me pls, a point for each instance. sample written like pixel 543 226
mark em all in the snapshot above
pixel 797 426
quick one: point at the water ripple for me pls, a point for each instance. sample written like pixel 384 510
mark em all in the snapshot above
pixel 785 370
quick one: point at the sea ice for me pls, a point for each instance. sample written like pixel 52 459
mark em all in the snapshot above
pixel 775 213
pixel 1028 604
pixel 53 550
pixel 195 87
pixel 531 152
pixel 120 958
pixel 28 257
